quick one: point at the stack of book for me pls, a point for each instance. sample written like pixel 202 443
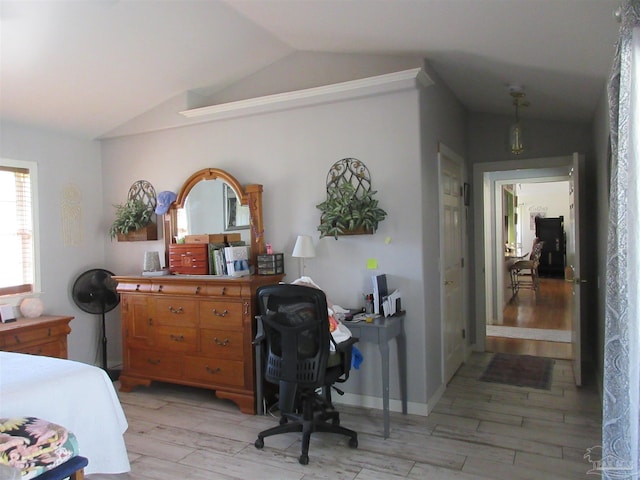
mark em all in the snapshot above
pixel 228 260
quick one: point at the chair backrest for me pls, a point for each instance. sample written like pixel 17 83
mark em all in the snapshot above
pixel 537 250
pixel 296 326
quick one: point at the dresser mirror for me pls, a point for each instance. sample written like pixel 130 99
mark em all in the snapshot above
pixel 213 201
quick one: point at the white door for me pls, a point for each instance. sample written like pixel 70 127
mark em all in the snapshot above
pixel 451 262
pixel 573 264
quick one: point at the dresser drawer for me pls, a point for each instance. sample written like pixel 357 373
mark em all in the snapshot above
pixel 219 314
pixel 214 371
pixel 225 290
pixel 48 349
pixel 141 287
pixel 155 363
pixel 222 344
pixel 36 334
pixel 176 311
pixel 169 288
pixel 176 339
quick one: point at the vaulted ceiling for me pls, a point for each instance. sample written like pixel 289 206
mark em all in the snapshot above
pixel 87 67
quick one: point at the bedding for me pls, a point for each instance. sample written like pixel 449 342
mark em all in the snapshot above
pixel 78 396
pixel 34 445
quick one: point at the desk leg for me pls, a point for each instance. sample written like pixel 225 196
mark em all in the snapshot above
pixel 384 355
pixel 401 342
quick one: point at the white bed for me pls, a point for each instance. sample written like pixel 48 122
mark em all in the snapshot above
pixel 75 395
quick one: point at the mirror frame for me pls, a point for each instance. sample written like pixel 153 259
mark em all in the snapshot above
pixel 250 195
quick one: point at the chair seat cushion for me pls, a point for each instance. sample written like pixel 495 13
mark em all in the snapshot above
pixel 33 445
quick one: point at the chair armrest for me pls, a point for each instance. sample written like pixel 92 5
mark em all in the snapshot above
pixel 346 344
pixel 260 335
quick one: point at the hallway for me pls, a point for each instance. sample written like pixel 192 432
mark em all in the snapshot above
pixel 535 323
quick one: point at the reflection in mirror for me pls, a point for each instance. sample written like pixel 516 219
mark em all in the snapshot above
pixel 236 216
pixel 205 211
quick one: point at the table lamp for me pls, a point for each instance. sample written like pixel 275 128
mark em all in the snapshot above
pixel 303 249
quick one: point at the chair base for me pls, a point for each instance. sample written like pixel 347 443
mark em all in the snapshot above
pixel 309 421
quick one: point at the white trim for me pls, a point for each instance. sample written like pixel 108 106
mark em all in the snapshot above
pixel 367 401
pixel 311 96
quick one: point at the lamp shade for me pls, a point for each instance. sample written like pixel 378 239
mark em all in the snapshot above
pixel 304 247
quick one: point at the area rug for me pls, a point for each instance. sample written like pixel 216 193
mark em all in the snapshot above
pixel 519 370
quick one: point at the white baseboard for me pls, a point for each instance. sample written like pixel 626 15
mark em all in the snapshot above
pixel 367 401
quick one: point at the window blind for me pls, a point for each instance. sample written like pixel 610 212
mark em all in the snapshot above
pixel 16 231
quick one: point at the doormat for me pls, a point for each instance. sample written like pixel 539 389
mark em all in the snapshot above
pixel 519 370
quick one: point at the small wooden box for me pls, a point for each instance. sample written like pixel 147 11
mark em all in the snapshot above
pixel 190 259
pixel 233 237
pixel 271 264
pixel 205 238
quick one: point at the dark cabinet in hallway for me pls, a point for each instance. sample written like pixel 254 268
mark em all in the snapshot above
pixel 551 232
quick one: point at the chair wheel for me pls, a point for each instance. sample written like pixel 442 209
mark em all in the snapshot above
pixel 259 443
pixel 353 442
pixel 304 459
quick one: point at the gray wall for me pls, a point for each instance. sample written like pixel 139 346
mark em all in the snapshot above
pixel 63 160
pixel 290 153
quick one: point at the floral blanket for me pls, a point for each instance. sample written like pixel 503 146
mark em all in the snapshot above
pixel 34 445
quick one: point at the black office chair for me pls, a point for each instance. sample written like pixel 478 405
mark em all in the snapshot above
pixel 298 360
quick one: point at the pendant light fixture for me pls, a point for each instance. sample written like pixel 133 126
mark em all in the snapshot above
pixel 516 144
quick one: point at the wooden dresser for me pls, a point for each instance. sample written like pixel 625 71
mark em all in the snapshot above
pixel 191 330
pixel 45 335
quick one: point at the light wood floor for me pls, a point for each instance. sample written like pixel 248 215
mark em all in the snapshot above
pixel 477 430
pixel 548 308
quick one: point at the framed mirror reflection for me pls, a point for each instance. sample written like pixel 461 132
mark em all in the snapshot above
pixel 236 215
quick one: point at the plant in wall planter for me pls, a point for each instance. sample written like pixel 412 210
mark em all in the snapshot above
pixel 133 222
pixel 350 207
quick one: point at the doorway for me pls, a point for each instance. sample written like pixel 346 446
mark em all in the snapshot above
pixel 533 315
pixel 486 246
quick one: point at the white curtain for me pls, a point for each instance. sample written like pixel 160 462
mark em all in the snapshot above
pixel 621 405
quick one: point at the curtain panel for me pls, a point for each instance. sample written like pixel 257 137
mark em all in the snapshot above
pixel 621 384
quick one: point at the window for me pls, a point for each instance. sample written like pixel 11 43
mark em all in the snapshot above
pixel 17 235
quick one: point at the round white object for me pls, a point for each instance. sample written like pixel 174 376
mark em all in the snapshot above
pixel 31 307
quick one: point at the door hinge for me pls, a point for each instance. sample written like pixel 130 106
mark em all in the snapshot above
pixel 462 263
pixel 464 333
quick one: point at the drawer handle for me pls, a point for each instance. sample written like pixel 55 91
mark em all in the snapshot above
pixel 224 313
pixel 222 343
pixel 176 310
pixel 159 288
pixel 212 371
pixel 153 362
pixel 151 322
pixel 49 333
pixel 17 338
pixel 177 338
pixel 197 290
pixel 223 290
pixel 137 287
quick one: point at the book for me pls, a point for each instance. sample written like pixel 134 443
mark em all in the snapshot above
pixel 379 291
pixel 237 260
